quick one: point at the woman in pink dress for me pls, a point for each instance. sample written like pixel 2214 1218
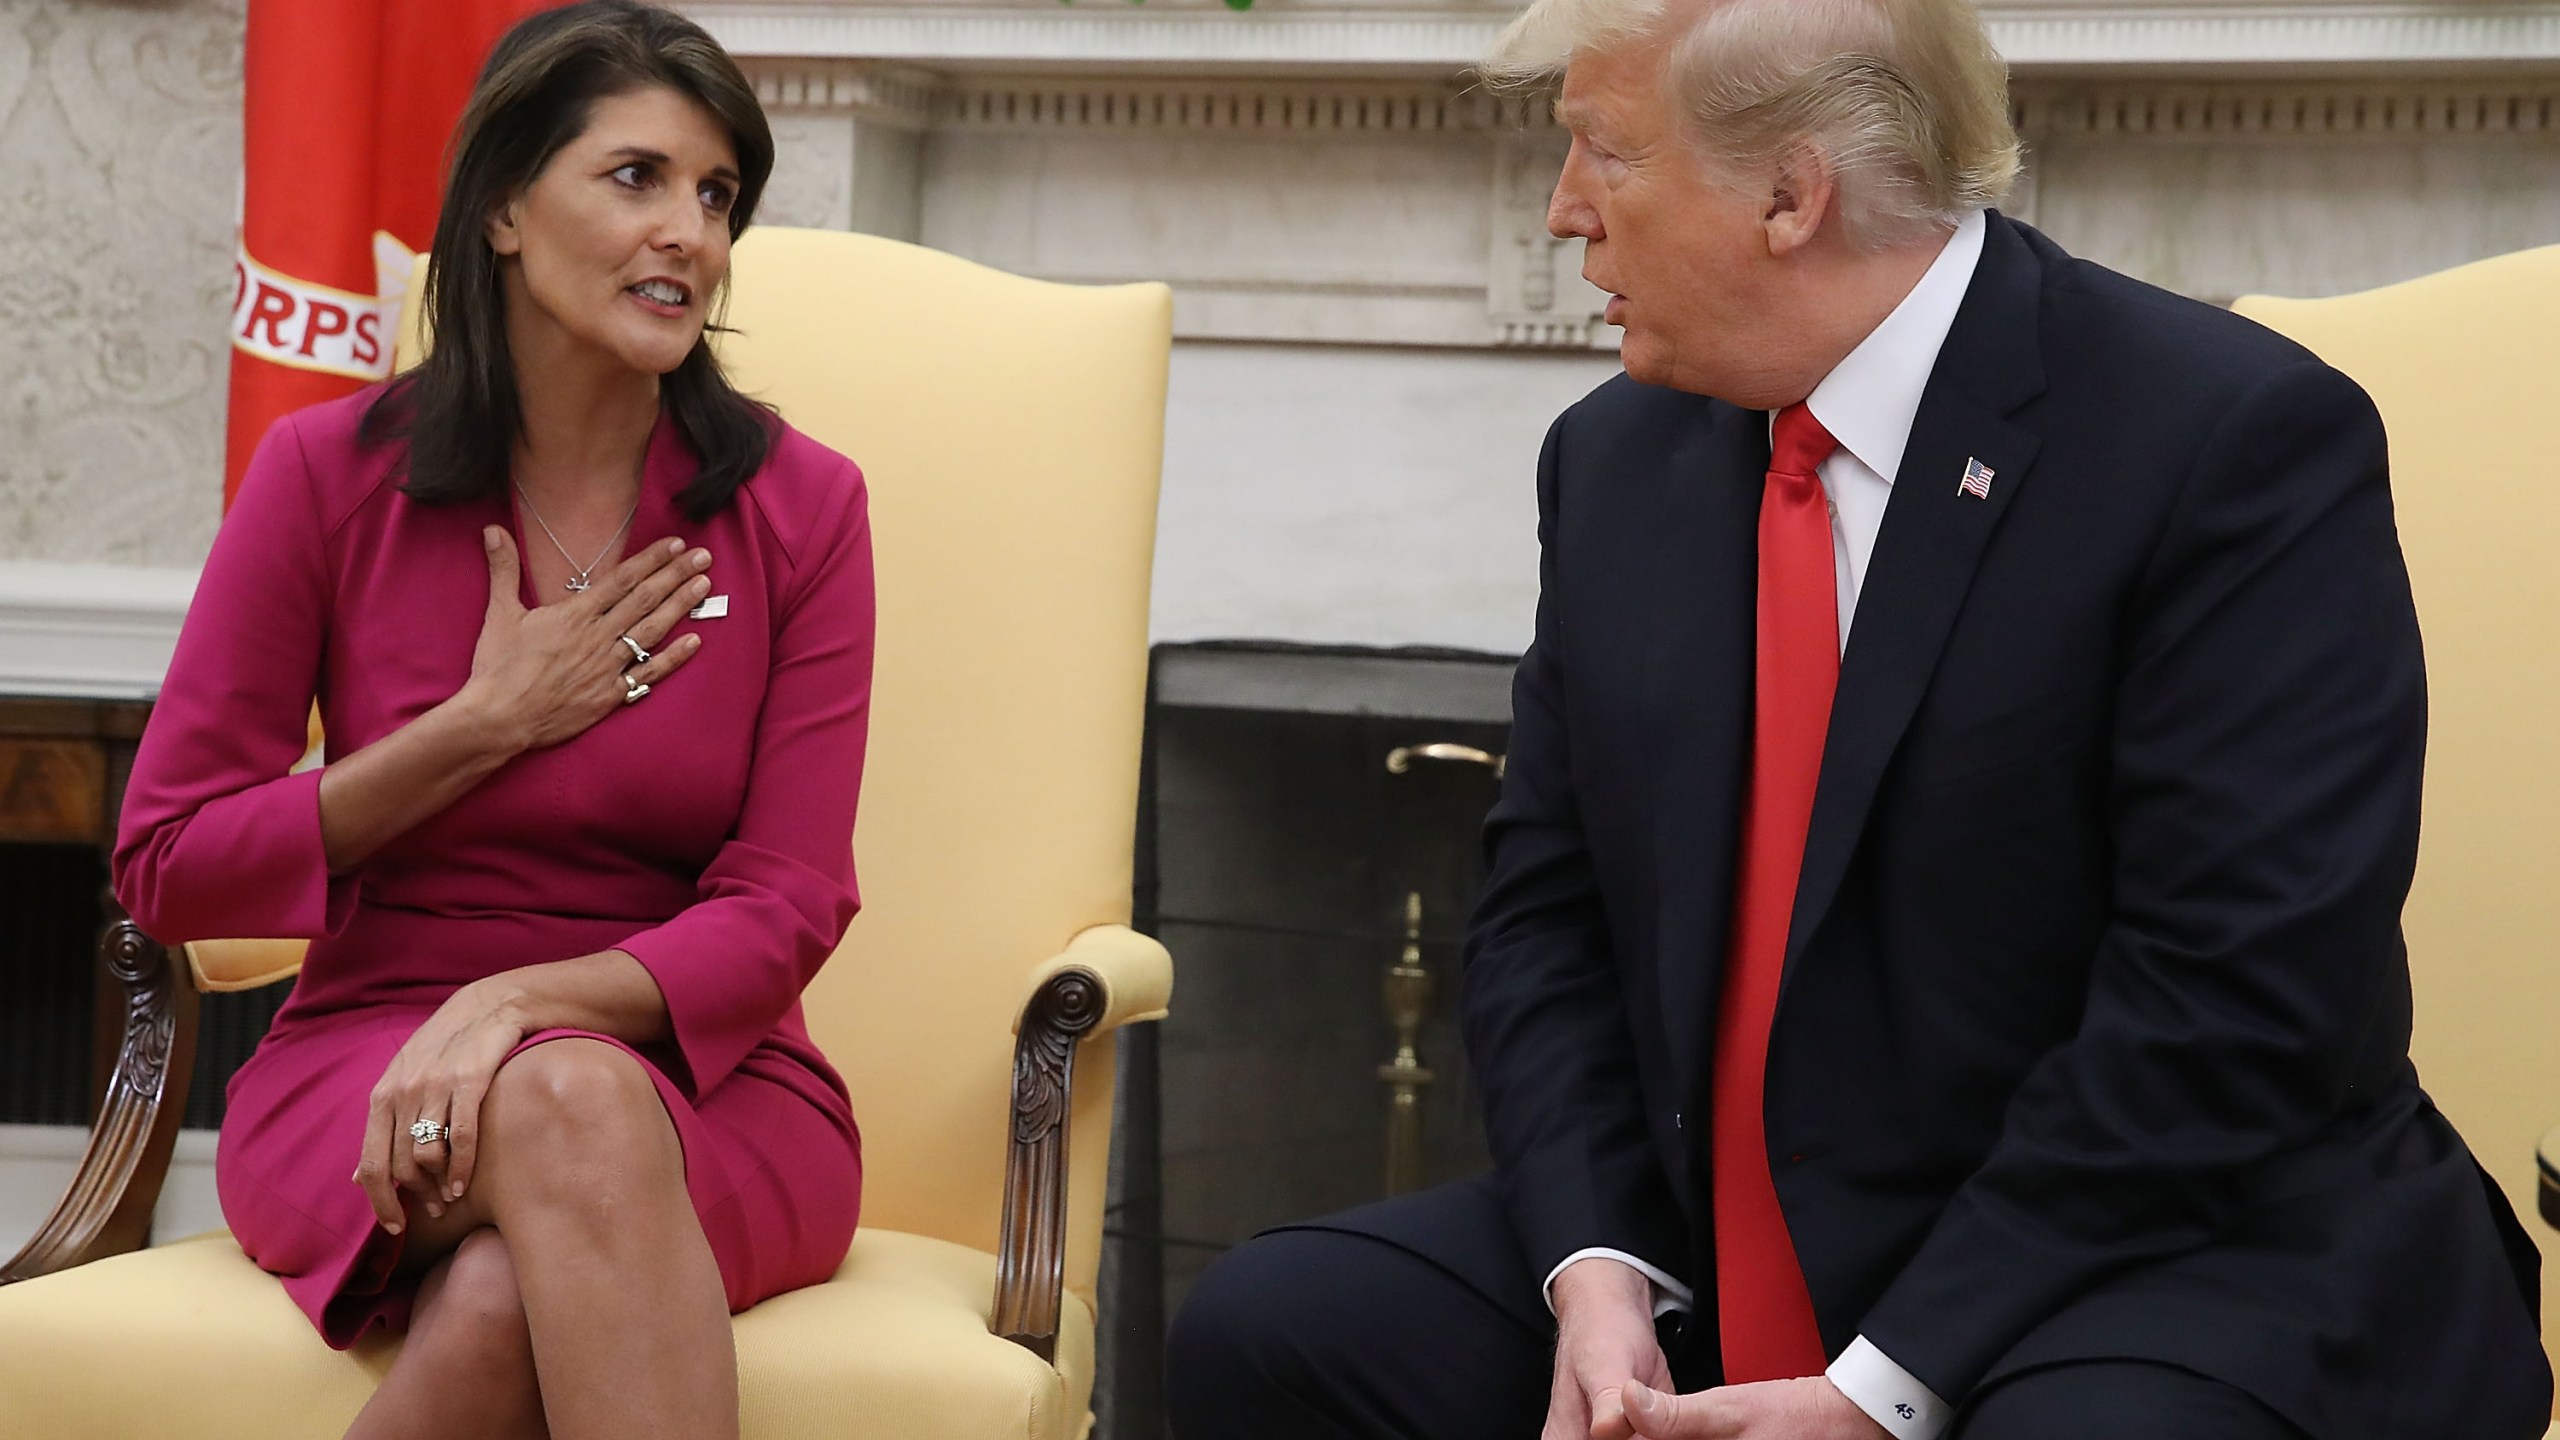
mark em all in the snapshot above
pixel 590 635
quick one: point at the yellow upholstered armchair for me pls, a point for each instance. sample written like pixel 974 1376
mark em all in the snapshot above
pixel 1012 432
pixel 2462 365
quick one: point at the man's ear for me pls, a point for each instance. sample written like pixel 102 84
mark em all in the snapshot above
pixel 504 237
pixel 1802 198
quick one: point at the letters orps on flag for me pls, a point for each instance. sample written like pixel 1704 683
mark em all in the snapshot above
pixel 349 107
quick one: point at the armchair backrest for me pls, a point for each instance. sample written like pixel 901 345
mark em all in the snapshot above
pixel 2461 364
pixel 1012 433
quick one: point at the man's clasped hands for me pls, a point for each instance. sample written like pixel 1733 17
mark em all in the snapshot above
pixel 1612 1381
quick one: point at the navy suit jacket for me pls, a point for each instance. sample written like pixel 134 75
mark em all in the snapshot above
pixel 2093 1037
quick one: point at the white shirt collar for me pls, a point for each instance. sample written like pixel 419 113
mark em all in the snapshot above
pixel 1869 399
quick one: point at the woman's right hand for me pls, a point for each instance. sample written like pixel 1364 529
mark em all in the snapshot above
pixel 542 676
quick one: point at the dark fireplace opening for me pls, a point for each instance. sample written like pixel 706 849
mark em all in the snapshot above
pixel 50 910
pixel 1279 860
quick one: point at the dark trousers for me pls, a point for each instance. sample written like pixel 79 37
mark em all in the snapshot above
pixel 1418 1319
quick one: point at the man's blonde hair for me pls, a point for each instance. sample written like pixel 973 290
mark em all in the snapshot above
pixel 1905 98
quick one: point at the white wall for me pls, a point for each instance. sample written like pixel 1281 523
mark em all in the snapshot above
pixel 37 1163
pixel 1356 494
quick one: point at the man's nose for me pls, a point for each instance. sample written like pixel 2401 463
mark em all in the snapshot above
pixel 1569 216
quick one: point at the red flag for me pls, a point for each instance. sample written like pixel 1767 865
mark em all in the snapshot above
pixel 350 103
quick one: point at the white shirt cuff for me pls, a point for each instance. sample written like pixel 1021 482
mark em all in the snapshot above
pixel 1668 1294
pixel 1888 1393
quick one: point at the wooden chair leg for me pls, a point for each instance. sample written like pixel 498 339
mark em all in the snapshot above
pixel 107 1210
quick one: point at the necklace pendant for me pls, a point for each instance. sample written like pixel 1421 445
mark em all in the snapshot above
pixel 575 584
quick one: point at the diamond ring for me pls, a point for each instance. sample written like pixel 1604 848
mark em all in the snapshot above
pixel 428 1132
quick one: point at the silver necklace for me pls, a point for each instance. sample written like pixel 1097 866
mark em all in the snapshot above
pixel 579 581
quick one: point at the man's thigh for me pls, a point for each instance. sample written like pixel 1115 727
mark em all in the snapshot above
pixel 2118 1400
pixel 1416 1319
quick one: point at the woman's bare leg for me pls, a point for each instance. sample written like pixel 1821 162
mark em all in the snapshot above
pixel 467 1365
pixel 581 1170
pixel 619 1297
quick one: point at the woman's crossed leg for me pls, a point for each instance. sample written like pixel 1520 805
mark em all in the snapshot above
pixel 570 1292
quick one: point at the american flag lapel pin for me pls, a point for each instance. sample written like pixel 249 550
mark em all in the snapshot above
pixel 1976 481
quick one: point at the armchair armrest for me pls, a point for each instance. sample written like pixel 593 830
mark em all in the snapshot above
pixel 107 1210
pixel 225 965
pixel 1135 973
pixel 1108 976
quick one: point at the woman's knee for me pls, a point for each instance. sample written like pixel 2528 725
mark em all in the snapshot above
pixel 479 1300
pixel 580 1113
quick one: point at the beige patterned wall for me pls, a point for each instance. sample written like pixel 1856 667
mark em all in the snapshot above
pixel 119 176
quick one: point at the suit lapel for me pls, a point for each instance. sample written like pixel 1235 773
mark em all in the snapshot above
pixel 1698 670
pixel 1925 556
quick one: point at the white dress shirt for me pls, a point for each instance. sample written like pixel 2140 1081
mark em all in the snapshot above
pixel 1867 402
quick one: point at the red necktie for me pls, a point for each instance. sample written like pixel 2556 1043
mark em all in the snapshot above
pixel 1764 1314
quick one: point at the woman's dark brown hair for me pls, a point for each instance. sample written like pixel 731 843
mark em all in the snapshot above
pixel 458 409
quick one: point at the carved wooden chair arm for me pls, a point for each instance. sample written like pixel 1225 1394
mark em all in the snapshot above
pixel 107 1210
pixel 1109 976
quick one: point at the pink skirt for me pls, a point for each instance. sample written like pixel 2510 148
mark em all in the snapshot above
pixel 776 1180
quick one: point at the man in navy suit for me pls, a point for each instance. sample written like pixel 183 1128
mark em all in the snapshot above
pixel 1940 968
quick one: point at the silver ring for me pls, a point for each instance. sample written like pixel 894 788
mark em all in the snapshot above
pixel 638 655
pixel 632 689
pixel 428 1132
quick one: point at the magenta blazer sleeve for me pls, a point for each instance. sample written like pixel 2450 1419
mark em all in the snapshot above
pixel 217 839
pixel 777 897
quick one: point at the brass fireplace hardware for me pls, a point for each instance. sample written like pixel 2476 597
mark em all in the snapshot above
pixel 1408 991
pixel 1402 757
pixel 1408 996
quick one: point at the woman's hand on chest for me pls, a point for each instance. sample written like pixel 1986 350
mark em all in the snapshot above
pixel 542 676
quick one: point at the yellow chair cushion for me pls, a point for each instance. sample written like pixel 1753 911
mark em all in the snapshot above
pixel 196 1331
